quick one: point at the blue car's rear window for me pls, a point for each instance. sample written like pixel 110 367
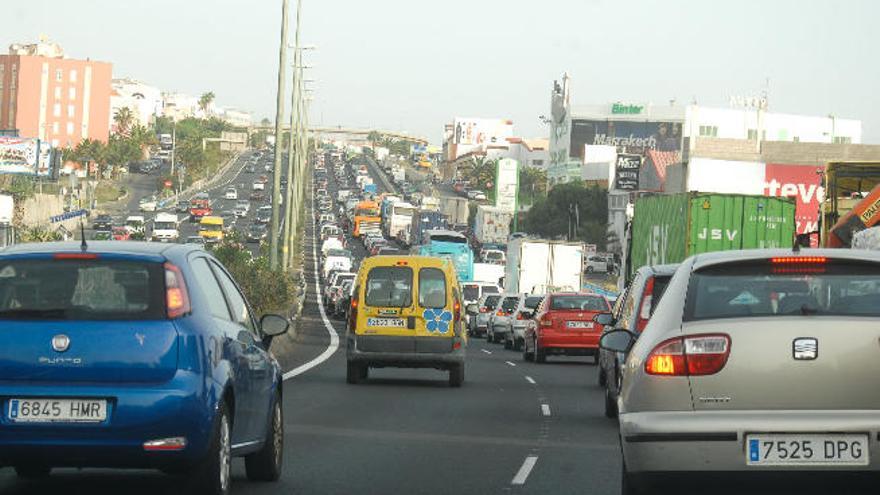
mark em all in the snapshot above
pixel 81 290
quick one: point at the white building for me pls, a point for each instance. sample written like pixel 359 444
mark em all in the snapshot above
pixel 529 152
pixel 656 132
pixel 238 118
pixel 143 100
pixel 179 106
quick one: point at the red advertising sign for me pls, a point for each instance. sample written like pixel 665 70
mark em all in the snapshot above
pixel 803 182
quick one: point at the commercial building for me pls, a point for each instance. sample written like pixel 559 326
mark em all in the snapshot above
pixel 586 140
pixel 144 101
pixel 45 95
pixel 179 106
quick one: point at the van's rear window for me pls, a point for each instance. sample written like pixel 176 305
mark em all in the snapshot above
pixel 81 290
pixel 390 286
pixel 471 292
pixel 761 289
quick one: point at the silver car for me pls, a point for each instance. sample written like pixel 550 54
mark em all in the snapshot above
pixel 754 362
pixel 499 321
pixel 479 321
pixel 520 320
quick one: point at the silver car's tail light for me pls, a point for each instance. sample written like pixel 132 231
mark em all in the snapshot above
pixel 689 356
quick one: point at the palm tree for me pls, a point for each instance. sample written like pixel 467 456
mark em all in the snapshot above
pixel 205 101
pixel 373 137
pixel 123 118
pixel 143 138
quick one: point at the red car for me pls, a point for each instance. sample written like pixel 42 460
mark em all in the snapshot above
pixel 565 326
pixel 121 234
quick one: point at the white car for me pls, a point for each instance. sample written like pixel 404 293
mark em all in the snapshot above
pixel 476 195
pixel 336 260
pixel 148 204
pixel 259 186
pixel 231 193
pixel 596 264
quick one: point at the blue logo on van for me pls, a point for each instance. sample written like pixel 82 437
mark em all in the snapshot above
pixel 437 320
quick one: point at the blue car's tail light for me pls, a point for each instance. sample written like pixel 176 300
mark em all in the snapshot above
pixel 176 295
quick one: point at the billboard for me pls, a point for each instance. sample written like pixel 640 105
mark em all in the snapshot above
pixel 628 137
pixel 507 184
pixel 626 176
pixel 804 184
pixel 476 132
pixel 27 156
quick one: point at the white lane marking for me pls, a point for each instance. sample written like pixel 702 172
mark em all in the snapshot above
pixel 545 409
pixel 530 380
pixel 523 474
pixel 334 337
pixel 510 363
pixel 487 352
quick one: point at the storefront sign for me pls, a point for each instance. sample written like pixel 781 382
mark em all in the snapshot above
pixel 620 108
pixel 626 177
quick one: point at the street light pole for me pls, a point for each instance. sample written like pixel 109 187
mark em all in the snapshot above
pixel 290 227
pixel 279 116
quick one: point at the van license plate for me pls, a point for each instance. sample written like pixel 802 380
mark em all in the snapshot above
pixel 57 410
pixel 807 450
pixel 386 322
pixel 579 324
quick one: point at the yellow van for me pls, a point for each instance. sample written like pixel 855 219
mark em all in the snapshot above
pixel 211 229
pixel 406 313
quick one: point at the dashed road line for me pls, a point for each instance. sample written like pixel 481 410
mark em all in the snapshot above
pixel 509 363
pixel 531 380
pixel 334 337
pixel 486 351
pixel 523 474
pixel 545 409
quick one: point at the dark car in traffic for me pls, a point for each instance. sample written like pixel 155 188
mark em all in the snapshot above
pixel 102 222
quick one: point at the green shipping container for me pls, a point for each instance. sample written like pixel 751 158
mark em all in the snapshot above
pixel 669 228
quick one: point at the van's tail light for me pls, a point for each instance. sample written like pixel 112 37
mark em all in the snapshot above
pixel 546 322
pixel 500 312
pixel 456 310
pixel 519 316
pixel 645 307
pixel 484 310
pixel 353 314
pixel 696 355
pixel 176 295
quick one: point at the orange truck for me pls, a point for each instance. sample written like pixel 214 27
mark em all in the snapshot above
pixel 852 201
pixel 367 219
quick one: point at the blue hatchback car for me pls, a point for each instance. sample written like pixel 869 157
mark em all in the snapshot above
pixel 135 355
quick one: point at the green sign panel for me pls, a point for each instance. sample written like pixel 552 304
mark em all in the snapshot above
pixel 620 108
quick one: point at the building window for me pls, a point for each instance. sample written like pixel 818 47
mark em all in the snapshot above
pixel 71 111
pixel 57 92
pixel 538 163
pixel 59 75
pixel 71 93
pixel 69 128
pixel 842 140
pixel 753 134
pixel 72 75
pixel 14 80
pixel 55 128
pixel 56 110
pixel 708 131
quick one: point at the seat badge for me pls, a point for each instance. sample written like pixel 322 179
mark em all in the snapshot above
pixel 805 348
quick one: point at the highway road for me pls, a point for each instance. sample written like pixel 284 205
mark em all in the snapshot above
pixel 514 427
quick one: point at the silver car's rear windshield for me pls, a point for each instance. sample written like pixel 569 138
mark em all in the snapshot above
pixel 839 288
pixel 81 290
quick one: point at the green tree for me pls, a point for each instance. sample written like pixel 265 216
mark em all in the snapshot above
pixel 162 125
pixel 90 151
pixel 265 121
pixel 373 137
pixel 532 183
pixel 551 216
pixel 480 172
pixel 205 101
pixel 123 118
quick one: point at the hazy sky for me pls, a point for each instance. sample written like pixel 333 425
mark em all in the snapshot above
pixel 413 65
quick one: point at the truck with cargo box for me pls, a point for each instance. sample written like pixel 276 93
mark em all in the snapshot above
pixel 492 225
pixel 538 266
pixel 670 227
pixel 456 210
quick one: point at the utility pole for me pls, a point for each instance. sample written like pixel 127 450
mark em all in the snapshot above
pixel 290 226
pixel 303 159
pixel 279 116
